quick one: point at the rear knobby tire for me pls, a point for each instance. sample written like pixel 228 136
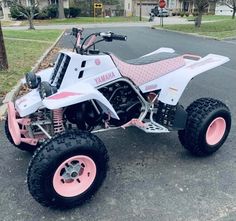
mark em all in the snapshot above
pixel 207 126
pixel 64 155
pixel 21 146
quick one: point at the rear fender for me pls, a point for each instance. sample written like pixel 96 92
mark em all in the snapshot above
pixel 78 93
pixel 174 83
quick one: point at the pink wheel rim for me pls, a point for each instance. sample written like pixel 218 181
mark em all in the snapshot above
pixel 215 131
pixel 74 176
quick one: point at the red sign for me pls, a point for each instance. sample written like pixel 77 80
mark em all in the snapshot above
pixel 162 3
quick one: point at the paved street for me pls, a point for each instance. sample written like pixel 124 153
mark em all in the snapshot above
pixel 151 177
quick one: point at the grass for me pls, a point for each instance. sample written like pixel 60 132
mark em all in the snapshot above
pixel 41 35
pixel 7 23
pixel 213 17
pixel 218 29
pixel 84 20
pixel 22 55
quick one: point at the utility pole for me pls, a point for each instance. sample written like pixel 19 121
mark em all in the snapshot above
pixel 140 10
pixel 3 55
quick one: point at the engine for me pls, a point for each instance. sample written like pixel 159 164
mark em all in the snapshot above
pixel 124 100
pixel 122 97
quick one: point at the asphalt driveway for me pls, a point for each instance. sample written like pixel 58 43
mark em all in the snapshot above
pixel 151 177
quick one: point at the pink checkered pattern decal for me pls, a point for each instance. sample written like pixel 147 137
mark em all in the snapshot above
pixel 141 74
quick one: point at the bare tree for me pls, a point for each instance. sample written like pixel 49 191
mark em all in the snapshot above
pixel 28 12
pixel 231 4
pixel 3 54
pixel 61 13
pixel 200 5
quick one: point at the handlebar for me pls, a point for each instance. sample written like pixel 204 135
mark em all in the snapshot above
pixel 76 31
pixel 90 40
pixel 109 36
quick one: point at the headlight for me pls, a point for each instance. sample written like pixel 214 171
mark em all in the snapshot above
pixel 46 89
pixel 32 80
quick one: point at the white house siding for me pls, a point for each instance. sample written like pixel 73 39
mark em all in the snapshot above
pixel 128 7
pixel 5 11
pixel 146 7
pixel 223 10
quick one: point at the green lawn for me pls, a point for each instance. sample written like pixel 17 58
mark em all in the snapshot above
pixel 41 35
pixel 84 20
pixel 218 29
pixel 213 17
pixel 22 55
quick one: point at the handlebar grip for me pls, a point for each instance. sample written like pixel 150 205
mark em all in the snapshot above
pixel 119 37
pixel 75 31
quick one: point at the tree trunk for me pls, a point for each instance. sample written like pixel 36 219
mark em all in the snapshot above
pixel 61 13
pixel 3 55
pixel 31 25
pixel 198 20
pixel 234 11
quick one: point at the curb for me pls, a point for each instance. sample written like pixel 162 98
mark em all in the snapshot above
pixel 185 33
pixel 10 96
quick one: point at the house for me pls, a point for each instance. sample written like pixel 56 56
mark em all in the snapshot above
pixel 5 11
pixel 223 10
pixel 132 7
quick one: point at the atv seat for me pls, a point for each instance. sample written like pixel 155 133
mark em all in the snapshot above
pixel 148 68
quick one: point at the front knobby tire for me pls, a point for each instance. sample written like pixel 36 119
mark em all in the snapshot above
pixel 67 169
pixel 207 126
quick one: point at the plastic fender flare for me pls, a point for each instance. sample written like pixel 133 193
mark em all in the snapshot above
pixel 78 93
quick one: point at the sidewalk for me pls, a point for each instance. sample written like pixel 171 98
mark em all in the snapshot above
pixel 167 20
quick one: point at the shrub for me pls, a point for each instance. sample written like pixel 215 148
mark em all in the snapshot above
pixel 182 14
pixel 178 13
pixel 186 14
pixel 52 11
pixel 173 13
pixel 195 13
pixel 67 12
pixel 74 12
pixel 43 14
pixel 15 13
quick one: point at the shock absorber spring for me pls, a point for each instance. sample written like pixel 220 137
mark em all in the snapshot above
pixel 58 121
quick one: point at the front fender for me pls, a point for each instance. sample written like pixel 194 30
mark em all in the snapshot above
pixel 78 93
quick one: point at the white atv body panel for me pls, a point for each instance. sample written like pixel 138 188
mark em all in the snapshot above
pixel 98 70
pixel 160 50
pixel 173 84
pixel 78 93
pixel 29 103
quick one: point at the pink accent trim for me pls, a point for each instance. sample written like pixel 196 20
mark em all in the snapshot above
pixel 134 122
pixel 58 121
pixel 13 125
pixel 85 177
pixel 97 61
pixel 215 131
pixel 23 121
pixel 91 41
pixel 15 130
pixel 141 74
pixel 104 78
pixel 63 95
pixel 78 40
pixel 192 56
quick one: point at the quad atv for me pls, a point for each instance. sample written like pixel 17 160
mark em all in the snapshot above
pixel 88 91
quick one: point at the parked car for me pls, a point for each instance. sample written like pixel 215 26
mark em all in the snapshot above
pixel 160 12
pixel 163 12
